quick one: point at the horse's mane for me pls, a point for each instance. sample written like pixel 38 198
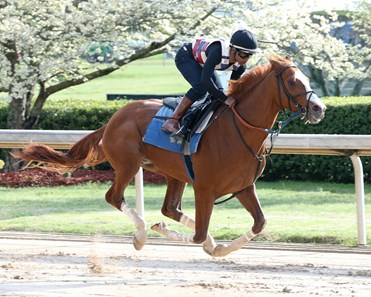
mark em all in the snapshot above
pixel 255 75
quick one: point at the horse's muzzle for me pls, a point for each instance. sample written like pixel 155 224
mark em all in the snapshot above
pixel 316 110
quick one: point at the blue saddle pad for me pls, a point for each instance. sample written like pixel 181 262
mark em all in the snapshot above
pixel 155 136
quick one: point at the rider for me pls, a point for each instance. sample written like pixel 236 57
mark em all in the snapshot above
pixel 197 61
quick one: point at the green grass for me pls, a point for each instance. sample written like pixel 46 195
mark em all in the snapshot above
pixel 154 75
pixel 296 212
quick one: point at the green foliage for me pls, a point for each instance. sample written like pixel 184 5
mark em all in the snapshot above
pixel 3 114
pixel 70 114
pixel 344 115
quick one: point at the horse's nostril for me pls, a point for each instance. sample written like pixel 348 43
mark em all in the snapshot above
pixel 316 108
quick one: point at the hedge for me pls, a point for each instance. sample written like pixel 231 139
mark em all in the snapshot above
pixel 70 114
pixel 344 115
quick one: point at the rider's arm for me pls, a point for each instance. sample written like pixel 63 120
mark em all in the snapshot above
pixel 236 73
pixel 214 56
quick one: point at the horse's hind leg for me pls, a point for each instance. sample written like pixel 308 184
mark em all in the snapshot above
pixel 249 199
pixel 172 208
pixel 115 197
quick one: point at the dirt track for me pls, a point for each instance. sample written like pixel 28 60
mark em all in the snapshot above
pixel 46 265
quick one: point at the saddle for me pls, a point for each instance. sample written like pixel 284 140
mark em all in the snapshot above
pixel 193 124
pixel 196 118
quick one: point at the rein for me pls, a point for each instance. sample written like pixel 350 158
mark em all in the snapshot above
pixel 272 133
pixel 281 124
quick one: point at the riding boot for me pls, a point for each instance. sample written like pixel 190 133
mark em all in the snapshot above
pixel 172 123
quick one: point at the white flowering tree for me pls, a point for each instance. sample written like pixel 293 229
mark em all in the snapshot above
pixel 360 53
pixel 42 41
pixel 305 36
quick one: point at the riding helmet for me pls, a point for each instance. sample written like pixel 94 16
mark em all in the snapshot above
pixel 245 41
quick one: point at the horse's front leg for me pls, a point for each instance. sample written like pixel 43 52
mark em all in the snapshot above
pixel 172 208
pixel 140 237
pixel 209 244
pixel 115 197
pixel 249 199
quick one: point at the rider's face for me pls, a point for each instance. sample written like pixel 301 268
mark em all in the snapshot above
pixel 241 57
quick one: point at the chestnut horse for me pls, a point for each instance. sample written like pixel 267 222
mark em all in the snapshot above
pixel 230 156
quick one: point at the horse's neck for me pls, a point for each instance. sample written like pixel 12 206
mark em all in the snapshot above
pixel 259 107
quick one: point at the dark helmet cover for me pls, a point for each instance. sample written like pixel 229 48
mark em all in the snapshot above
pixel 245 41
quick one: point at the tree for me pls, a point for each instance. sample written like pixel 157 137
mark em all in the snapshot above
pixel 361 51
pixel 42 41
pixel 352 28
pixel 307 36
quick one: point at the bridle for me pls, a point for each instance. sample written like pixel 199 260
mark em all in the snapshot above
pixel 289 97
pixel 302 111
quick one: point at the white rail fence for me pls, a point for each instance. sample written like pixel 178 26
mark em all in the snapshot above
pixel 352 146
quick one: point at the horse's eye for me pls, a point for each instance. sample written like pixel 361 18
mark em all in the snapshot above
pixel 292 83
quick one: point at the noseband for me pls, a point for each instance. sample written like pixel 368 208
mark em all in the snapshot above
pixel 290 98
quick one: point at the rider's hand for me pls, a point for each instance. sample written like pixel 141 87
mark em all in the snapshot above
pixel 231 101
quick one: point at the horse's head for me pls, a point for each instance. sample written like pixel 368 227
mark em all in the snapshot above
pixel 295 92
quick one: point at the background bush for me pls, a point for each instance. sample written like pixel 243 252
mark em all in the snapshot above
pixel 77 114
pixel 344 115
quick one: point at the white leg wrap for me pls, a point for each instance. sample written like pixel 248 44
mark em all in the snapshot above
pixel 187 238
pixel 188 222
pixel 236 244
pixel 133 216
pixel 173 235
pixel 249 235
pixel 209 243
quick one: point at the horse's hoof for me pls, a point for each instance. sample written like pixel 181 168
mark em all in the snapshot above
pixel 139 240
pixel 218 251
pixel 137 245
pixel 209 246
pixel 159 226
pixel 207 250
pixel 156 227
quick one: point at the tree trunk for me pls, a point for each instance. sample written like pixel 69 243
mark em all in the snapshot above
pixel 337 90
pixel 17 110
pixel 317 77
pixel 357 88
pixel 35 111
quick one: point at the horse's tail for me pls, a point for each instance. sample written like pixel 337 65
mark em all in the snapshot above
pixel 86 152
